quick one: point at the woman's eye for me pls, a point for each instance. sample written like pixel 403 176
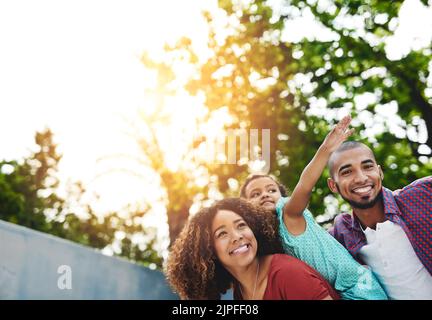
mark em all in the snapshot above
pixel 255 194
pixel 272 190
pixel 221 234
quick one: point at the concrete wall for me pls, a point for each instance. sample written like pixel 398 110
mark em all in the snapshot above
pixel 31 268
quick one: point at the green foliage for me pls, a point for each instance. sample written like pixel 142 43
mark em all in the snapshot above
pixel 28 197
pixel 11 203
pixel 255 73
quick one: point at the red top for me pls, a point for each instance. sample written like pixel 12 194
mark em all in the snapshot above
pixel 292 279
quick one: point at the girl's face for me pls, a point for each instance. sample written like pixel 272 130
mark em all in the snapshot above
pixel 263 192
pixel 233 240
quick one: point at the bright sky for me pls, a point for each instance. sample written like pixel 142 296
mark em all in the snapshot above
pixel 74 66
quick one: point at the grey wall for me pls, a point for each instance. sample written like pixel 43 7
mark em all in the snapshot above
pixel 29 269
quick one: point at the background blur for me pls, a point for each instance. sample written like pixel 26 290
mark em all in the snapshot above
pixel 107 107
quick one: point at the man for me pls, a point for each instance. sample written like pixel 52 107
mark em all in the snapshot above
pixel 390 231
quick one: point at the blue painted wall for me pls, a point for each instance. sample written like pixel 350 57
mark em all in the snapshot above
pixel 30 262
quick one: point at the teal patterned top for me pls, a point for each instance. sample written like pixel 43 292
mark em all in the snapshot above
pixel 325 254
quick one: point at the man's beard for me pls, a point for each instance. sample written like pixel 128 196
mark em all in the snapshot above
pixel 358 205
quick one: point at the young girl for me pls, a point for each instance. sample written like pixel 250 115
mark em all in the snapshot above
pixel 235 242
pixel 301 236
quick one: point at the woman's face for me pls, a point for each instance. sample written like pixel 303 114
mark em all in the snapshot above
pixel 233 240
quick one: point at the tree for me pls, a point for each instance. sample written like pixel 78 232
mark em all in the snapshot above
pixel 299 90
pixel 11 203
pixel 179 184
pixel 34 182
pixel 28 197
pixel 337 72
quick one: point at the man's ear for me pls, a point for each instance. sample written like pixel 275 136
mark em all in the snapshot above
pixel 381 172
pixel 332 185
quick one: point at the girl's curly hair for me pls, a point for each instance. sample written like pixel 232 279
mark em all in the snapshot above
pixel 193 269
pixel 282 189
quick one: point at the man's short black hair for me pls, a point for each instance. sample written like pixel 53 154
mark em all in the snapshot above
pixel 347 145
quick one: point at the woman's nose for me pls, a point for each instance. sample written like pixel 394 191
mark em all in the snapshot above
pixel 237 236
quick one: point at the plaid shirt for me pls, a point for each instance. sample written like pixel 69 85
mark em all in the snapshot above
pixel 410 207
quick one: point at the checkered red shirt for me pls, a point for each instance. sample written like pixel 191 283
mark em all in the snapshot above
pixel 410 207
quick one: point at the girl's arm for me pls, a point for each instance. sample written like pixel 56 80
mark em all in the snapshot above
pixel 310 175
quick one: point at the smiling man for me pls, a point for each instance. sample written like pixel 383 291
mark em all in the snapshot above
pixel 390 231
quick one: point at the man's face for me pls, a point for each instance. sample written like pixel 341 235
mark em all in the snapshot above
pixel 356 177
pixel 263 192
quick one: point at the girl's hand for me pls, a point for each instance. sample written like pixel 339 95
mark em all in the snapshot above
pixel 338 134
pixel 294 207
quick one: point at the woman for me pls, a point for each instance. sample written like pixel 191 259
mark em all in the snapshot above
pixel 236 243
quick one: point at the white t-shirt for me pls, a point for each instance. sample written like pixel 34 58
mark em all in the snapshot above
pixel 393 260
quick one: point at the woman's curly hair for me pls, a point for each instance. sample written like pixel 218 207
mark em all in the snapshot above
pixel 193 269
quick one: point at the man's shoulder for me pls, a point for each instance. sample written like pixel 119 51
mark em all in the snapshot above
pixel 342 220
pixel 413 198
pixel 424 183
pixel 342 224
